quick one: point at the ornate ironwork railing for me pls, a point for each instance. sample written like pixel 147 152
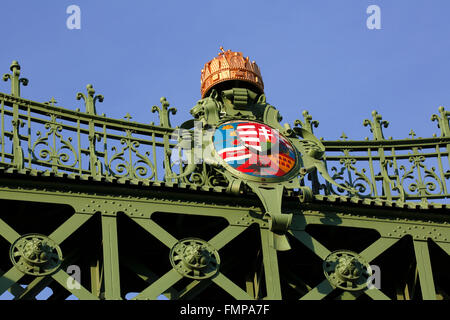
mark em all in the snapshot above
pixel 45 137
pixel 415 169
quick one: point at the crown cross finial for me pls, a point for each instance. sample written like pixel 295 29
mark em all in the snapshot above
pixel 128 117
pixel 52 102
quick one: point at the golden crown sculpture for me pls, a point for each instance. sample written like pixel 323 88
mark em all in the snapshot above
pixel 227 66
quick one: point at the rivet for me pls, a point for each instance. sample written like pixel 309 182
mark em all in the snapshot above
pixel 142 214
pixel 389 234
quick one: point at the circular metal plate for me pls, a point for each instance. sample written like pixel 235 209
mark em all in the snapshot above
pixel 35 254
pixel 347 270
pixel 194 258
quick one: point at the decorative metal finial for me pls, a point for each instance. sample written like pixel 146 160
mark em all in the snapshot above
pixel 128 117
pixel 52 102
pixel 163 112
pixel 90 99
pixel 307 122
pixel 376 125
pixel 15 78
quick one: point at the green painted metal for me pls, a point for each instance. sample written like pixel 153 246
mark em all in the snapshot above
pixel 110 194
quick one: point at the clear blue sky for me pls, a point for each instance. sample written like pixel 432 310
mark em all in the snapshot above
pixel 315 55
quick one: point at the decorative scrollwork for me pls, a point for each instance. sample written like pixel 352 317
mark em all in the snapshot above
pixel 127 168
pixel 419 186
pixel 53 154
pixel 362 184
pixel 206 176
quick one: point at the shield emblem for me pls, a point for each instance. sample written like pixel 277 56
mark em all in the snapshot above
pixel 254 148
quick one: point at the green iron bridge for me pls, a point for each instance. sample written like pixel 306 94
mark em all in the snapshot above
pixel 109 197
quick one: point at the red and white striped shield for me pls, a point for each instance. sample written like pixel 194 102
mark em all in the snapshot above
pixel 257 136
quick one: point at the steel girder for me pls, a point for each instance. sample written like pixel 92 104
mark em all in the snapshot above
pixel 122 243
